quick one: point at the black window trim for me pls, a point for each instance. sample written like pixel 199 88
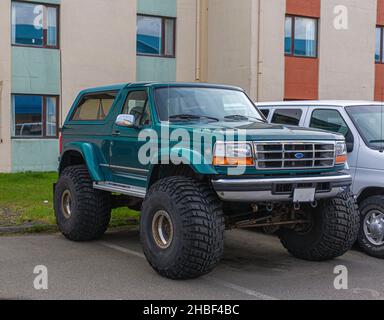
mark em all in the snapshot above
pixel 292 53
pixel 44 46
pixel 43 117
pixel 162 55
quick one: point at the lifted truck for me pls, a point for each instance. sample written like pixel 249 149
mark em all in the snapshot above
pixel 249 174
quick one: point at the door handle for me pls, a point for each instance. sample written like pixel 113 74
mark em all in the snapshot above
pixel 116 133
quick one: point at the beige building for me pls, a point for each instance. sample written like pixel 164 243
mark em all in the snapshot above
pixel 276 50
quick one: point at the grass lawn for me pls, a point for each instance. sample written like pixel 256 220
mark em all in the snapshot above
pixel 27 198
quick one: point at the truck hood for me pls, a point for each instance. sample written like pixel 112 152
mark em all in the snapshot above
pixel 259 131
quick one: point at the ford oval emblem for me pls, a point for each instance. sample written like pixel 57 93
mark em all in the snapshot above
pixel 299 155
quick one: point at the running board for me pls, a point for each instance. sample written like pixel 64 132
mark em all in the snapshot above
pixel 133 191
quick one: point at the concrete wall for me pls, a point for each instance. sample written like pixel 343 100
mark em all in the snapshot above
pixel 5 86
pixel 35 155
pixel 229 34
pixel 98 50
pixel 270 81
pixel 36 71
pixel 156 68
pixel 347 68
pixel 186 40
pixel 166 8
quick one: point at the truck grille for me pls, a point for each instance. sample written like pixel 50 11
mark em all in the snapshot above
pixel 294 155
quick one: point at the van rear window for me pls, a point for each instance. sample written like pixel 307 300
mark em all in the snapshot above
pixel 94 107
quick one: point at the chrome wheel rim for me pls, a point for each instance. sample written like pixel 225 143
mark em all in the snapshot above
pixel 162 229
pixel 374 227
pixel 66 204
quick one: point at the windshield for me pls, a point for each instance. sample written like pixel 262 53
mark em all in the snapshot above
pixel 369 120
pixel 208 104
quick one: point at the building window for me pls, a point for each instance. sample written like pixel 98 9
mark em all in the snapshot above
pixel 301 36
pixel 35 25
pixel 35 116
pixel 156 36
pixel 379 54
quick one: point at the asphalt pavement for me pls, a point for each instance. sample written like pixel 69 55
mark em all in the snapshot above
pixel 254 266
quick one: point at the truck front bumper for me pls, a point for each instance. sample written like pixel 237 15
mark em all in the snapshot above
pixel 280 189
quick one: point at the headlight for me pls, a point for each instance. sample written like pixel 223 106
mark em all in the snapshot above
pixel 341 152
pixel 233 154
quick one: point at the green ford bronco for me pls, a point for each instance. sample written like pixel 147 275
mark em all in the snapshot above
pixel 197 159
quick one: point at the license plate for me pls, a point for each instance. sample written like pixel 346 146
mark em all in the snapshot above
pixel 304 195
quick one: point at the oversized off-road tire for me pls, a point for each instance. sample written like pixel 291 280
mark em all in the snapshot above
pixel 82 212
pixel 371 234
pixel 332 232
pixel 182 228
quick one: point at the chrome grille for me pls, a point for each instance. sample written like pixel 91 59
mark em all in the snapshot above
pixel 294 155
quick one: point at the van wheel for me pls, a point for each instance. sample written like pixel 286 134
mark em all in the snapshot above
pixel 371 234
pixel 332 230
pixel 182 228
pixel 82 213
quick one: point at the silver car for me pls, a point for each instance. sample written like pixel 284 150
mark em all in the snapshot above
pixel 362 124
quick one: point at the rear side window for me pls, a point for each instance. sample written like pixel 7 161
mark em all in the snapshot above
pixel 289 117
pixel 329 120
pixel 265 112
pixel 94 107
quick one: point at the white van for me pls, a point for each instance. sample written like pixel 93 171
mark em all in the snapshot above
pixel 362 124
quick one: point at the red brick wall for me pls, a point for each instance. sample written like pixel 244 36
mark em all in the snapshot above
pixel 302 74
pixel 310 8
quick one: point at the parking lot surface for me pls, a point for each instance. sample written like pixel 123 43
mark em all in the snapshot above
pixel 254 266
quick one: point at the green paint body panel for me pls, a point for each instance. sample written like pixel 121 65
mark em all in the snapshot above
pixel 35 155
pixel 115 158
pixel 156 69
pixel 166 8
pixel 35 71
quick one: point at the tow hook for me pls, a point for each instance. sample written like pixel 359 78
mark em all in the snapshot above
pixel 297 206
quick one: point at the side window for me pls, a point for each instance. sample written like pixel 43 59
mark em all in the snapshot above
pixel 289 117
pixel 265 112
pixel 329 120
pixel 94 107
pixel 138 106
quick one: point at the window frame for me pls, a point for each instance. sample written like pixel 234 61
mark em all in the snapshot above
pixel 328 109
pixel 293 23
pixel 163 19
pixel 45 32
pixel 381 58
pixel 43 117
pixel 300 120
pixel 80 99
pixel 147 106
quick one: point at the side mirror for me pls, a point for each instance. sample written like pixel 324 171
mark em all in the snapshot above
pixel 350 141
pixel 126 120
pixel 350 146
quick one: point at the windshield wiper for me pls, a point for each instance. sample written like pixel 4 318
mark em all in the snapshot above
pixel 376 141
pixel 191 117
pixel 239 117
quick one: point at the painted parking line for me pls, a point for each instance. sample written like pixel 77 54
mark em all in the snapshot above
pixel 220 282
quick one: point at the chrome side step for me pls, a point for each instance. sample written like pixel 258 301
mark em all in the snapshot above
pixel 133 191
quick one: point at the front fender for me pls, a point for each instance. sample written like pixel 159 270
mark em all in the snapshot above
pixel 187 157
pixel 91 156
